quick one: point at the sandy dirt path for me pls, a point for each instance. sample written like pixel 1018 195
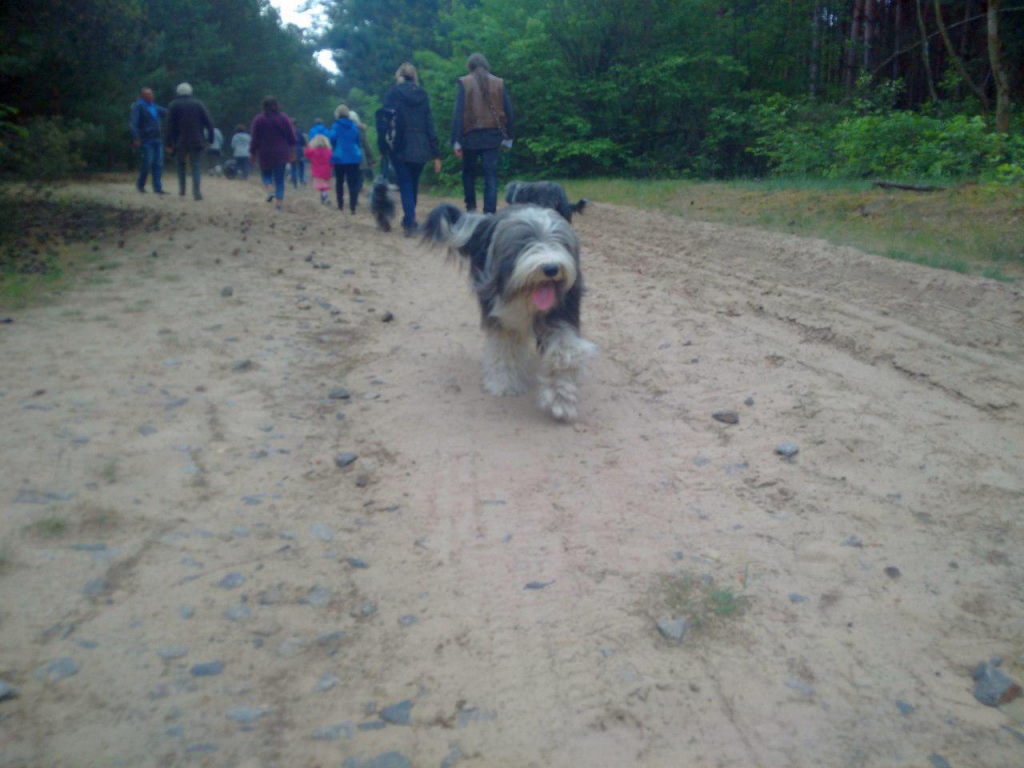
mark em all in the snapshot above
pixel 188 578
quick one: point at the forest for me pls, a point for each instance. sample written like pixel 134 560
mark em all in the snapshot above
pixel 635 88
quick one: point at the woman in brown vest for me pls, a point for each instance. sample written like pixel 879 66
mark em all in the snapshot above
pixel 481 125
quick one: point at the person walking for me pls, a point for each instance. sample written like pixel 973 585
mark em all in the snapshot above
pixel 189 129
pixel 346 157
pixel 317 128
pixel 319 154
pixel 213 152
pixel 299 163
pixel 481 127
pixel 144 123
pixel 420 141
pixel 240 144
pixel 369 160
pixel 273 144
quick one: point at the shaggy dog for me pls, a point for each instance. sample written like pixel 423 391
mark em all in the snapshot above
pixel 546 194
pixel 524 265
pixel 381 205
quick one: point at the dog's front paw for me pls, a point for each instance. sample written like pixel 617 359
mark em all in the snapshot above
pixel 559 402
pixel 503 386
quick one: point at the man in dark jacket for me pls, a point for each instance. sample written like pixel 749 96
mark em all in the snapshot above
pixel 481 125
pixel 144 123
pixel 420 140
pixel 189 130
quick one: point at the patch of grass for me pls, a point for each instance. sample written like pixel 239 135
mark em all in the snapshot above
pixel 109 471
pixel 39 237
pixel 170 278
pixel 93 517
pixel 139 306
pixel 969 228
pixel 6 556
pixel 698 599
pixel 51 527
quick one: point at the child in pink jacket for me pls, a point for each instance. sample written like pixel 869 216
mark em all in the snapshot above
pixel 319 153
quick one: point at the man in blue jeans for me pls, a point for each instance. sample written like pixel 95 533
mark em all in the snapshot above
pixel 481 127
pixel 144 123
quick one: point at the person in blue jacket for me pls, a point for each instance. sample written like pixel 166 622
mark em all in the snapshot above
pixel 317 128
pixel 147 137
pixel 346 157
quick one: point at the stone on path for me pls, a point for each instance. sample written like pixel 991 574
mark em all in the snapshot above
pixel 992 686
pixel 345 458
pixel 321 531
pixel 383 760
pixel 673 629
pixel 334 732
pixel 726 417
pixel 231 580
pixel 56 670
pixel 246 714
pixel 208 669
pixel 397 714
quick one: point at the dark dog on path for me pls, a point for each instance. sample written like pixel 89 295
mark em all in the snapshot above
pixel 546 194
pixel 381 205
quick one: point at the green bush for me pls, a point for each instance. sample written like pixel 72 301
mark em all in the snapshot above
pixel 45 148
pixel 911 145
pixel 797 137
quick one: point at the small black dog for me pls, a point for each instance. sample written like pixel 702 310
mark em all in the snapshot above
pixel 382 206
pixel 546 194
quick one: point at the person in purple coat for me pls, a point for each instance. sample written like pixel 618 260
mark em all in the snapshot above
pixel 273 145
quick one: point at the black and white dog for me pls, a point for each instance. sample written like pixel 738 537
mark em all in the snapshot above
pixel 546 194
pixel 524 265
pixel 381 205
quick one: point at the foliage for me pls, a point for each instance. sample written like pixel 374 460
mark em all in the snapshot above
pixel 652 88
pixel 46 148
pixel 899 143
pixel 84 63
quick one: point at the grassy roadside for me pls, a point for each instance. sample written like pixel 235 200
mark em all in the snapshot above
pixel 41 239
pixel 968 228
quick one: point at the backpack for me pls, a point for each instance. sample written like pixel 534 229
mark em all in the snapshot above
pixel 390 131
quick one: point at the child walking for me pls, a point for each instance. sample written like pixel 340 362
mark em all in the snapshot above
pixel 319 154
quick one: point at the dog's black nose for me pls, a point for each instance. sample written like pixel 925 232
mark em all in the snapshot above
pixel 550 270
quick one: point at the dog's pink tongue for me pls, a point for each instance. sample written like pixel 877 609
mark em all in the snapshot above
pixel 544 297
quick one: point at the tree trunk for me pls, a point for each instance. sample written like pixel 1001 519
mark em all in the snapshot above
pixel 998 70
pixel 965 36
pixel 926 54
pixel 812 74
pixel 957 61
pixel 870 17
pixel 851 50
pixel 897 28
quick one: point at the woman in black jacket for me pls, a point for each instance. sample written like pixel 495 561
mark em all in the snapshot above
pixel 419 139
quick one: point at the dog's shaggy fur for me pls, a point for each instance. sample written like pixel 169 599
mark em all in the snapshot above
pixel 382 206
pixel 524 266
pixel 546 194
